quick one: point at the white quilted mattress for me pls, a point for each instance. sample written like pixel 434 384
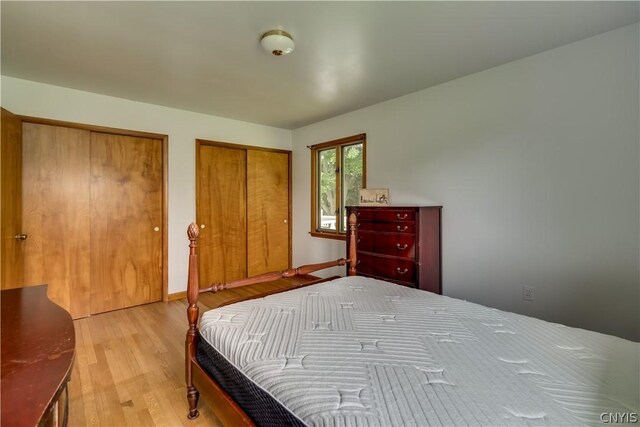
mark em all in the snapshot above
pixel 358 351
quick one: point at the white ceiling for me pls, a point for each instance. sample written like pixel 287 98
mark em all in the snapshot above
pixel 206 56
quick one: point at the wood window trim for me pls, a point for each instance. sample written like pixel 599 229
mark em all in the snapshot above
pixel 314 232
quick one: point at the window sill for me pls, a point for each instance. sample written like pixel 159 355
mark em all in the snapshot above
pixel 334 236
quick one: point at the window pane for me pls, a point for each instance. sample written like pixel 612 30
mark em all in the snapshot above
pixel 352 160
pixel 327 191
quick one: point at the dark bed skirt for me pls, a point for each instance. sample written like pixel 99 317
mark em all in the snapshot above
pixel 259 405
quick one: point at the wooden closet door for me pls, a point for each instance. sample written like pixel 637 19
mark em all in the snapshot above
pixel 126 221
pixel 55 213
pixel 267 211
pixel 221 214
pixel 11 249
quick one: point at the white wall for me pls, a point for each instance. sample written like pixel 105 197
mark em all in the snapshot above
pixel 183 127
pixel 536 163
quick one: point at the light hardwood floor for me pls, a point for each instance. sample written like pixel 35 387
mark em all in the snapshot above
pixel 129 367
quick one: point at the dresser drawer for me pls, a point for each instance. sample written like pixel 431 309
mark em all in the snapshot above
pixel 399 214
pixel 400 245
pixel 390 268
pixel 387 227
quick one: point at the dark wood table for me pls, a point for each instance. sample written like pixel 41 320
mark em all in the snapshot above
pixel 38 348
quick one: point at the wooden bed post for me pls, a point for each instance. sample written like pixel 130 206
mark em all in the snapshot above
pixel 352 245
pixel 229 411
pixel 193 289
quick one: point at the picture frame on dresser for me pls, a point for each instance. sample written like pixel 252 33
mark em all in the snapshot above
pixel 374 197
pixel 400 244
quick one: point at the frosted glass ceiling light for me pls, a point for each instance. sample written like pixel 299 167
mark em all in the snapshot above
pixel 277 42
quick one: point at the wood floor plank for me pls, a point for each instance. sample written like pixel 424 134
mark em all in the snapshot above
pixel 87 341
pixel 129 367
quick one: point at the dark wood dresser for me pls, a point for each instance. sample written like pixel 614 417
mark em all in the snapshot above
pixel 400 244
pixel 38 347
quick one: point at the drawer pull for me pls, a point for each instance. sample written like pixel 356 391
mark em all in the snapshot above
pixel 404 270
pixel 401 247
pixel 358 262
pixel 402 228
pixel 358 241
pixel 357 213
pixel 403 216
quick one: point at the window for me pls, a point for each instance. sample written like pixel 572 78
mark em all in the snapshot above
pixel 338 173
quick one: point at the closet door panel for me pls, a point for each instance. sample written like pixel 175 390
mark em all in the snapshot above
pixel 267 211
pixel 11 249
pixel 126 221
pixel 221 213
pixel 55 213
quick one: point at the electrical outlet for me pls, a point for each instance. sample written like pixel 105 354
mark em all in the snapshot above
pixel 527 293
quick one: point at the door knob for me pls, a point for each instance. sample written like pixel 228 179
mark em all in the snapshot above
pixel 20 237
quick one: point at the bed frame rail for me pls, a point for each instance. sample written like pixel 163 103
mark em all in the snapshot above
pixel 230 411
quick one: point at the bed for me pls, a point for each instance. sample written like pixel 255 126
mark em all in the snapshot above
pixel 356 351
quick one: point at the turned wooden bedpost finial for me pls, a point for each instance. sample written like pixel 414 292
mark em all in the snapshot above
pixel 352 244
pixel 193 288
pixel 193 285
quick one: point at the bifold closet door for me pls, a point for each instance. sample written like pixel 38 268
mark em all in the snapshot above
pixel 267 211
pixel 221 213
pixel 55 213
pixel 126 221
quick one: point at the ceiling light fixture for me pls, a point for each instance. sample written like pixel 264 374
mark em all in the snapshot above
pixel 277 42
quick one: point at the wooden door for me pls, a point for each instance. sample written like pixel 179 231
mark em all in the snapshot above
pixel 222 214
pixel 267 211
pixel 11 202
pixel 55 213
pixel 126 221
